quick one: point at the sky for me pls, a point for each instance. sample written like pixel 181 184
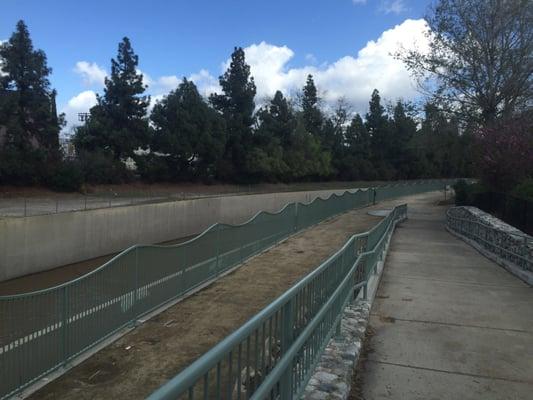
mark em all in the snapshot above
pixel 346 44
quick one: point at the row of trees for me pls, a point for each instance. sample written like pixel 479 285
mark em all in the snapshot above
pixel 227 137
pixel 477 73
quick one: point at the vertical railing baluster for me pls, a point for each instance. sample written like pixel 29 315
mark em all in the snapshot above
pixel 286 341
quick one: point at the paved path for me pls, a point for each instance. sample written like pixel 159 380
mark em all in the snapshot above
pixel 448 323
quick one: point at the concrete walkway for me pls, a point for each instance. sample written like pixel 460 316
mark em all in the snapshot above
pixel 448 323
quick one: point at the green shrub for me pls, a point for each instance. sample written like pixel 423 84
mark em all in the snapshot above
pixel 22 168
pixel 66 177
pixel 467 193
pixel 461 192
pixel 524 189
pixel 153 168
pixel 101 168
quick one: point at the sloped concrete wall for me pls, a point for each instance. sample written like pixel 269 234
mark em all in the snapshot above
pixel 38 243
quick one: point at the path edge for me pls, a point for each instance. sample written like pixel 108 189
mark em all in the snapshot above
pixel 520 273
pixel 332 378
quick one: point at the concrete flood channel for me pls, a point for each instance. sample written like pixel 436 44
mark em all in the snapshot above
pixel 447 323
pixel 62 274
pixel 142 360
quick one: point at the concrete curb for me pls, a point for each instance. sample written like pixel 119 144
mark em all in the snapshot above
pixel 332 378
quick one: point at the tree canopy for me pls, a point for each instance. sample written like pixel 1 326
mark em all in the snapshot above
pixel 479 65
pixel 28 113
pixel 118 123
pixel 227 137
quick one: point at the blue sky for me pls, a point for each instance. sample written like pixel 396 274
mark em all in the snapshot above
pixel 284 41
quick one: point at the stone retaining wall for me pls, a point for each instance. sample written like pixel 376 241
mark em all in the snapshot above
pixel 497 240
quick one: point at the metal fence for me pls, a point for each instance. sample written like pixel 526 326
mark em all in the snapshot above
pixel 42 205
pixel 44 330
pixel 513 248
pixel 274 354
pixel 31 206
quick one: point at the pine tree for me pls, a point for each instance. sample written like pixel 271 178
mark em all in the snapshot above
pixel 189 133
pixel 118 123
pixel 237 105
pixel 27 111
pixel 441 150
pixel 277 119
pixel 276 124
pixel 311 114
pixel 355 163
pixel 402 156
pixel 377 125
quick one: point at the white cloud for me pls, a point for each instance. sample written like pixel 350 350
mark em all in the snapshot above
pixel 393 6
pixel 78 104
pixel 91 73
pixel 147 79
pixel 350 77
pixel 169 82
pixel 205 82
pixel 357 2
pixel 2 73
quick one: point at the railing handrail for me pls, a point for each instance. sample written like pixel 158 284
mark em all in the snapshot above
pixel 195 238
pixel 181 382
pixel 122 290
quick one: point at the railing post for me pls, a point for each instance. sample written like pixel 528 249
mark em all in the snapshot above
pixel 295 216
pixel 134 298
pixel 338 328
pixel 217 244
pixel 64 322
pixel 526 252
pixel 374 196
pixel 286 341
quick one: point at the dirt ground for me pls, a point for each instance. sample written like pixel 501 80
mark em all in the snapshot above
pixel 142 360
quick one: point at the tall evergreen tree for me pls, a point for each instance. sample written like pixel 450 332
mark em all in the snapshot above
pixel 189 134
pixel 358 138
pixel 377 125
pixel 27 110
pixel 305 157
pixel 355 162
pixel 277 119
pixel 237 105
pixel 118 123
pixel 440 147
pixel 403 128
pixel 311 114
pixel 272 139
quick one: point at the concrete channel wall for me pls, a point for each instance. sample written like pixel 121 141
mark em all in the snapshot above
pixel 35 244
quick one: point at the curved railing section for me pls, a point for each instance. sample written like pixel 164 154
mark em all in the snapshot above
pixel 44 330
pixel 512 248
pixel 273 355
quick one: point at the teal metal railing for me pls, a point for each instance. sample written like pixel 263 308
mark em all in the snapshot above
pixel 44 330
pixel 274 354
